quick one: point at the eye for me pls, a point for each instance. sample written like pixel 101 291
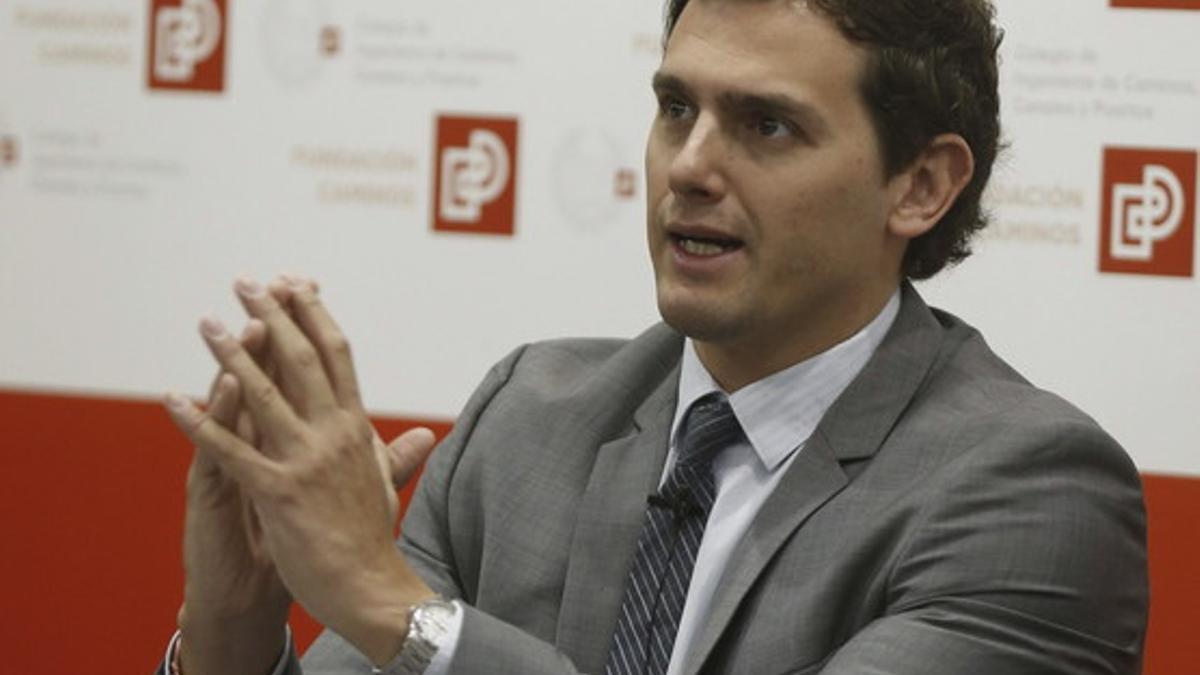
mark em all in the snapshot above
pixel 771 127
pixel 674 108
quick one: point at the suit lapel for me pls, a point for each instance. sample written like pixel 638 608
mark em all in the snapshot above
pixel 627 469
pixel 853 428
pixel 812 479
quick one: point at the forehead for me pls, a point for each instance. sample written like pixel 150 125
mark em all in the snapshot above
pixel 768 46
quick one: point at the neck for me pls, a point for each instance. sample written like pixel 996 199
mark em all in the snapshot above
pixel 760 354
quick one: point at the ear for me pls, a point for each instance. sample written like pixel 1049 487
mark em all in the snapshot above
pixel 926 190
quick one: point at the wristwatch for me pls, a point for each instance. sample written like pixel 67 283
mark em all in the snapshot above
pixel 428 623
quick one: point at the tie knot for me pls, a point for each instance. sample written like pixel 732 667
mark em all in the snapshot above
pixel 708 427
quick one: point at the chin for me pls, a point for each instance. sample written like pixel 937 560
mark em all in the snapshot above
pixel 701 322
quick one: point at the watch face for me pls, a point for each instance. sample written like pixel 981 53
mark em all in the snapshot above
pixel 429 624
pixel 432 618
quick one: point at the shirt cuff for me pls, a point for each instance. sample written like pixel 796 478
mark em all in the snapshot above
pixel 172 664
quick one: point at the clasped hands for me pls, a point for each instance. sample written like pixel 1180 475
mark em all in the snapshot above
pixel 290 493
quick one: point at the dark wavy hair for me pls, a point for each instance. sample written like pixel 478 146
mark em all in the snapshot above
pixel 931 69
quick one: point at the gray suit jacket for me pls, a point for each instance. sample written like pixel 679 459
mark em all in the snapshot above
pixel 945 517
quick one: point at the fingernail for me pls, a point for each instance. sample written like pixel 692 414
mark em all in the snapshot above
pixel 212 328
pixel 176 402
pixel 249 287
pixel 299 283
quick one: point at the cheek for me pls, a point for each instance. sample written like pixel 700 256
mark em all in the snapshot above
pixel 657 158
pixel 656 178
pixel 814 227
pixel 849 200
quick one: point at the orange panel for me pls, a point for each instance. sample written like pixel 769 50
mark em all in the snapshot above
pixel 1156 4
pixel 1173 509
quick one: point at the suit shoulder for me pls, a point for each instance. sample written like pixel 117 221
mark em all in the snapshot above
pixel 973 379
pixel 569 375
pixel 1008 480
pixel 571 364
pixel 976 394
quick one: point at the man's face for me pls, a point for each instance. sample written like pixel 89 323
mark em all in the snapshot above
pixel 767 201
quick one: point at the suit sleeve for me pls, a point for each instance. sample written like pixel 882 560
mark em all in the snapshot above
pixel 1030 561
pixel 425 531
pixel 486 644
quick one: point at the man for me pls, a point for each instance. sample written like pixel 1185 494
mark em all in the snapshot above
pixel 889 495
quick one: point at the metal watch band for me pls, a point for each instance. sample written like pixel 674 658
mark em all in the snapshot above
pixel 428 623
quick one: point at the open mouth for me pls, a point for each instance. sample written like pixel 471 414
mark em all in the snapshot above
pixel 705 246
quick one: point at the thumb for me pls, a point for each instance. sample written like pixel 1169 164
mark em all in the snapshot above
pixel 407 452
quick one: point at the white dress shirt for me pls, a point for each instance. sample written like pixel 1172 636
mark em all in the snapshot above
pixel 778 414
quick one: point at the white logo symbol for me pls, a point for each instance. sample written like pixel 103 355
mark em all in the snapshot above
pixel 1145 213
pixel 473 176
pixel 185 35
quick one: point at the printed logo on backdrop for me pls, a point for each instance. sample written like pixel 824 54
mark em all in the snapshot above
pixel 297 39
pixel 1156 4
pixel 475 175
pixel 589 180
pixel 1148 214
pixel 331 40
pixel 187 45
pixel 9 151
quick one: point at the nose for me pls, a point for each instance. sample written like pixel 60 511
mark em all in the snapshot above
pixel 697 170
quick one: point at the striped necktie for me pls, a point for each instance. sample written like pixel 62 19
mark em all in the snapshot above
pixel 671 534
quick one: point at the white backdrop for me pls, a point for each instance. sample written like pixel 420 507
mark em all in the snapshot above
pixel 126 210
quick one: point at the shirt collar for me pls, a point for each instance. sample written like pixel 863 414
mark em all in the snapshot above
pixel 780 412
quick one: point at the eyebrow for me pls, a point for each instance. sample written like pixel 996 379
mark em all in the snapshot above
pixel 780 104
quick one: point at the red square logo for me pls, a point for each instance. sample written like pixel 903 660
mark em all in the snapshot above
pixel 1156 4
pixel 476 175
pixel 187 45
pixel 1148 212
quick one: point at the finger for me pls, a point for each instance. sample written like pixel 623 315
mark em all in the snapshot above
pixel 236 458
pixel 223 404
pixel 273 417
pixel 254 339
pixel 281 287
pixel 247 431
pixel 297 280
pixel 407 452
pixel 323 332
pixel 385 473
pixel 300 368
pixel 222 394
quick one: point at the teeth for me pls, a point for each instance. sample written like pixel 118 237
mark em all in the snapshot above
pixel 696 247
